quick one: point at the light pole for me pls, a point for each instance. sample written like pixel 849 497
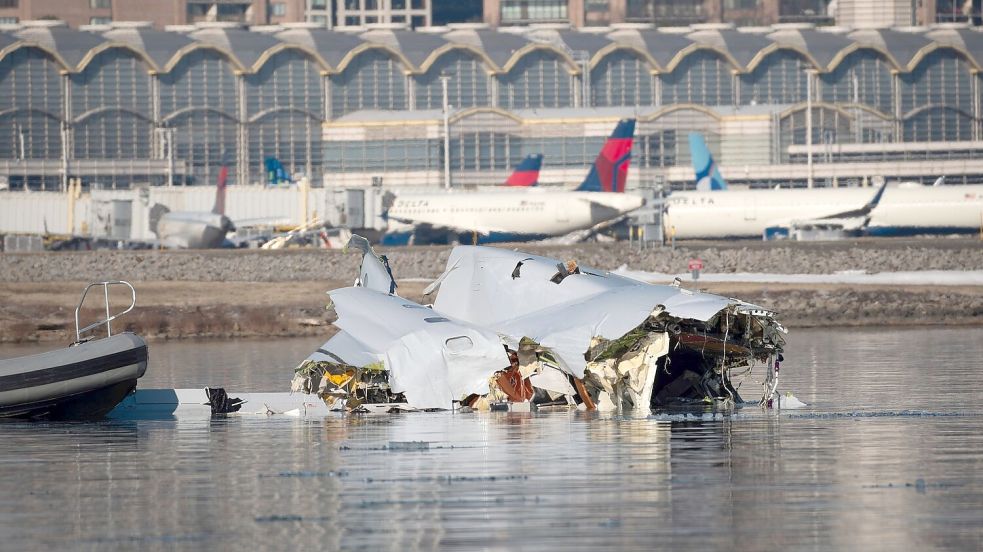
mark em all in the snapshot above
pixel 809 74
pixel 444 79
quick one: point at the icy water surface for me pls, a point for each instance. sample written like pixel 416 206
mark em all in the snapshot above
pixel 888 455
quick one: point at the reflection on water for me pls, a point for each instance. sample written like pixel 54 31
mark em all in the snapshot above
pixel 887 455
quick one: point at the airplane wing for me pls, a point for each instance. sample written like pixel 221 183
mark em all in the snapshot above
pixel 578 236
pixel 262 221
pixel 863 211
pixel 847 224
pixel 480 229
pixel 849 220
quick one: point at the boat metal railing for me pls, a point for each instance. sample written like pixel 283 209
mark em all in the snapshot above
pixel 109 317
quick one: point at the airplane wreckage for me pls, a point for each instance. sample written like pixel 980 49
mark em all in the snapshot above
pixel 508 330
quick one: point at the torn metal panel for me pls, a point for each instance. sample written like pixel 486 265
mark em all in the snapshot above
pixel 478 285
pixel 627 382
pixel 508 328
pixel 612 332
pixel 374 272
pixel 554 381
pixel 342 348
pixel 429 358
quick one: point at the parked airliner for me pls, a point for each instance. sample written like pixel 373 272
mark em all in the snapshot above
pixel 905 209
pixel 532 213
pixel 526 173
pixel 715 211
pixel 911 210
pixel 194 229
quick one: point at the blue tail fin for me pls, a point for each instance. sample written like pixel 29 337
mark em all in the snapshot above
pixel 275 173
pixel 708 178
pixel 610 170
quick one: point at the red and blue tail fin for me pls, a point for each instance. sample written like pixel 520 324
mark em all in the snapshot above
pixel 223 177
pixel 610 170
pixel 527 172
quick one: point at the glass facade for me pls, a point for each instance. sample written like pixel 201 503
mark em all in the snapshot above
pixel 531 11
pixel 199 101
pixel 538 79
pixel 373 80
pixel 384 155
pixel 780 78
pixel 829 126
pixel 112 112
pixel 622 78
pixel 203 106
pixel 937 98
pixel 469 84
pixel 703 77
pixel 863 77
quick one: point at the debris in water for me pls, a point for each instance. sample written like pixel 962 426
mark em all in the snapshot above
pixel 408 445
pixel 220 402
pixel 511 331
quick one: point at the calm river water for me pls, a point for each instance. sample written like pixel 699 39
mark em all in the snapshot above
pixel 888 455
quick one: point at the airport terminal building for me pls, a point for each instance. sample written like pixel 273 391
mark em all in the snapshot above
pixel 127 104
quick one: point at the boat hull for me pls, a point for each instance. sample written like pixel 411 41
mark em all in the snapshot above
pixel 81 382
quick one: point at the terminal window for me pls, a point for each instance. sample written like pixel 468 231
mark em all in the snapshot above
pixel 534 10
pixel 680 12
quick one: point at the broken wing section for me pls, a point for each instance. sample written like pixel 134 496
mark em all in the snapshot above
pixel 397 351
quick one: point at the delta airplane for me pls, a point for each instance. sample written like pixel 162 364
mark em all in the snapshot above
pixel 713 211
pixel 911 209
pixel 194 229
pixel 531 213
pixel 526 173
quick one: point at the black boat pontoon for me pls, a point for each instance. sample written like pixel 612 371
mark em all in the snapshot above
pixel 84 381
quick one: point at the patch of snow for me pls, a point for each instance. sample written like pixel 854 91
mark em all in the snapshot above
pixel 859 277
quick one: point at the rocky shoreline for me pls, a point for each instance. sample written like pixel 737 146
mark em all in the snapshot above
pixel 224 294
pixel 428 262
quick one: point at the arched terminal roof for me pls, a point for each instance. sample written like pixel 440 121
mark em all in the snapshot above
pixel 904 48
pixel 664 50
pixel 331 46
pixel 249 48
pixel 821 47
pixel 500 50
pixel 70 46
pixel 415 48
pixel 160 47
pixel 960 37
pixel 742 48
pixel 499 47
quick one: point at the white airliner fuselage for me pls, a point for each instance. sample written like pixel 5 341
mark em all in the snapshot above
pixel 911 210
pixel 193 230
pixel 533 212
pixel 747 213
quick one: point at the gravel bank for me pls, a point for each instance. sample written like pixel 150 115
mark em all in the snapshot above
pixel 243 293
pixel 177 310
pixel 428 262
